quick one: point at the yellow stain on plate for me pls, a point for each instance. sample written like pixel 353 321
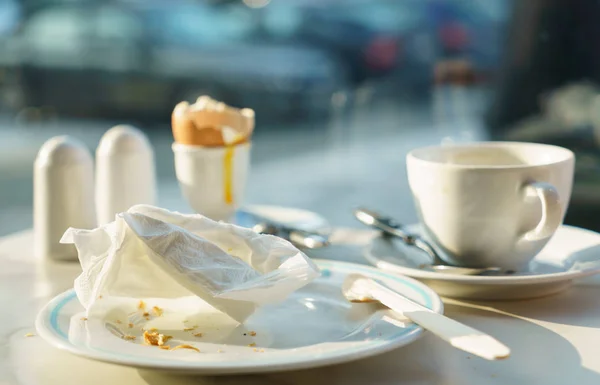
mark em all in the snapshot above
pixel 228 174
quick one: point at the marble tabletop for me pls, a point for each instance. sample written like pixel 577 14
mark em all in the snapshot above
pixel 554 340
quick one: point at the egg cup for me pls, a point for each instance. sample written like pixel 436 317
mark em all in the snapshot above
pixel 213 179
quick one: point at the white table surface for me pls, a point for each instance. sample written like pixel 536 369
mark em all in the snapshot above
pixel 554 340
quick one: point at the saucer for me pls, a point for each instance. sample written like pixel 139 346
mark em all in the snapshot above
pixel 291 217
pixel 315 326
pixel 571 253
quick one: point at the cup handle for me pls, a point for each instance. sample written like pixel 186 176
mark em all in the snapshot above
pixel 551 211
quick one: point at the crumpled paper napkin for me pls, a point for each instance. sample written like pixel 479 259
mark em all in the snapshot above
pixel 149 252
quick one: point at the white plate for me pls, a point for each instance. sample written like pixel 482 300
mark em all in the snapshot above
pixel 316 326
pixel 571 253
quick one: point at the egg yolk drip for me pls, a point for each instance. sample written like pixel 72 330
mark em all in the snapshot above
pixel 228 174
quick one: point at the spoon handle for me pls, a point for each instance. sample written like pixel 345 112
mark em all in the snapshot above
pixel 390 227
pixel 457 334
pixel 299 238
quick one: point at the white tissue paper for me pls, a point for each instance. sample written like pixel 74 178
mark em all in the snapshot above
pixel 148 252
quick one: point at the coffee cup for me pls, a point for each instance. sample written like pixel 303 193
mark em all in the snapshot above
pixel 491 203
pixel 213 179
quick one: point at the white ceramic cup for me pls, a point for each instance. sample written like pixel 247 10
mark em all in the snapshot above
pixel 213 179
pixel 491 203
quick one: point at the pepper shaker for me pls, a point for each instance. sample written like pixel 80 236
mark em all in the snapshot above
pixel 125 174
pixel 63 195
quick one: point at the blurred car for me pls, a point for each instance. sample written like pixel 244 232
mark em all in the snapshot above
pixel 138 61
pixel 406 44
pixel 369 36
pixel 470 32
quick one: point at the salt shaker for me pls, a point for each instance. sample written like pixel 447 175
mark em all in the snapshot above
pixel 125 174
pixel 63 195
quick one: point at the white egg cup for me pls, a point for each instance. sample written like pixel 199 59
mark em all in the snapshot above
pixel 213 179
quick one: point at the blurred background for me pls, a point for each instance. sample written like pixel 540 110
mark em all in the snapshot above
pixel 341 88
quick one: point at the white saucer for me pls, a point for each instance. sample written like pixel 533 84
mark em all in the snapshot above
pixel 292 217
pixel 571 253
pixel 316 326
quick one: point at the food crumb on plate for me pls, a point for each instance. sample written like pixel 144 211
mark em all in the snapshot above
pixel 83 318
pixel 146 314
pixel 130 325
pixel 118 322
pixel 155 338
pixel 165 347
pixel 186 346
pixel 157 310
pixel 252 344
pixel 190 328
pixel 197 334
pixel 142 305
pixel 128 338
pixel 252 333
pixel 99 297
pixel 29 335
pixel 220 351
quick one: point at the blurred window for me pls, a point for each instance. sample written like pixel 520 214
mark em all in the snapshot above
pixel 57 27
pixel 57 38
pixel 388 15
pixel 10 14
pixel 281 20
pixel 201 25
pixel 117 38
pixel 113 23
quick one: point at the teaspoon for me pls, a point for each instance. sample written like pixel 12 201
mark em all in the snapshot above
pixel 389 227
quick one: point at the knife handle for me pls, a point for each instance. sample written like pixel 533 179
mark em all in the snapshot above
pixel 457 334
